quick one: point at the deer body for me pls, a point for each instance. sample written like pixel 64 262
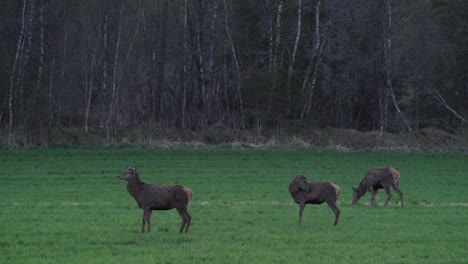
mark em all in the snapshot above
pixel 151 197
pixel 304 193
pixel 379 178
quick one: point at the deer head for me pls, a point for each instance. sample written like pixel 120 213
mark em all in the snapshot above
pixel 131 172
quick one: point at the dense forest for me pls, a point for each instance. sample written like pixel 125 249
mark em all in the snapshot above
pixel 108 65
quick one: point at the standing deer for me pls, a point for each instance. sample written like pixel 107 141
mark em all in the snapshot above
pixel 304 193
pixel 151 197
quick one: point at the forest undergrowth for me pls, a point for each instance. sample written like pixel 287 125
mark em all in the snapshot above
pixel 424 140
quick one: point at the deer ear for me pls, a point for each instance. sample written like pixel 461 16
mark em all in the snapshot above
pixel 353 188
pixel 135 169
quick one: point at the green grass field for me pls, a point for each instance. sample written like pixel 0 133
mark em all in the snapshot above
pixel 67 206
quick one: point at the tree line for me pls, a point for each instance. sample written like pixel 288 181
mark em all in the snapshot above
pixel 383 65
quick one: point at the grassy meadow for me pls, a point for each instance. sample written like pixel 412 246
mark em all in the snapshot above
pixel 67 206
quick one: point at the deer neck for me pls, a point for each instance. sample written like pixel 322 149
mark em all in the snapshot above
pixel 134 186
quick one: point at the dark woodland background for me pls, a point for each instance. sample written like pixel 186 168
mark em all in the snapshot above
pixel 177 67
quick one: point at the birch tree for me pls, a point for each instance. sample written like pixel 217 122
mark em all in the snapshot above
pixel 16 60
pixel 89 87
pixel 184 67
pixel 198 15
pixel 103 92
pixel 308 85
pixel 112 103
pixel 237 67
pixel 293 56
pixel 388 65
pixel 276 55
pixel 40 66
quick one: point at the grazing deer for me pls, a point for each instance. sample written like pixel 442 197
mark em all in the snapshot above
pixel 379 178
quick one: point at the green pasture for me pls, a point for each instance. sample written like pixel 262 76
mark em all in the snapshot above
pixel 67 206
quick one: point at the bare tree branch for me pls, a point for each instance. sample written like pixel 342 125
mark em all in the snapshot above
pixel 439 97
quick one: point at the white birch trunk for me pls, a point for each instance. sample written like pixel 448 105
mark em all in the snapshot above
pixel 210 79
pixel 41 48
pixel 24 55
pixel 65 43
pixel 201 62
pixel 14 66
pixel 388 64
pixel 225 82
pixel 112 103
pixel 269 13
pixel 277 34
pixel 184 67
pixel 308 89
pixel 90 88
pixel 276 55
pixel 50 95
pixel 293 56
pixel 237 67
pixel 104 76
pixel 130 47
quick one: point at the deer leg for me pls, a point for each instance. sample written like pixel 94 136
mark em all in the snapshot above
pixel 186 219
pixel 144 220
pixel 389 194
pixel 396 187
pixel 335 210
pixel 148 219
pixel 373 193
pixel 301 210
